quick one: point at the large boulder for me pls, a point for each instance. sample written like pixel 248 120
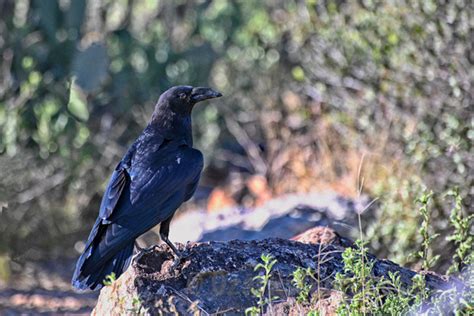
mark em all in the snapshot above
pixel 217 277
pixel 282 217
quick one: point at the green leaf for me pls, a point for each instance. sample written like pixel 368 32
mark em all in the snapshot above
pixel 77 102
pixel 298 73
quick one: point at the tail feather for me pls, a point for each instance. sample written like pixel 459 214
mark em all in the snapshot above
pixel 92 267
pixel 94 280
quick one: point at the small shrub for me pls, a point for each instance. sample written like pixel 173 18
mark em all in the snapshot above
pixel 462 237
pixel 356 281
pixel 110 279
pixel 299 281
pixel 137 307
pixel 366 294
pixel 264 280
pixel 427 261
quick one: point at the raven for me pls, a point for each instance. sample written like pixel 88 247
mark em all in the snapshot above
pixel 158 173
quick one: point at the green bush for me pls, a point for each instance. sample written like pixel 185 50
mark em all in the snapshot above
pixel 363 293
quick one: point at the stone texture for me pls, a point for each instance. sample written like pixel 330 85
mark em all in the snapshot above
pixel 216 277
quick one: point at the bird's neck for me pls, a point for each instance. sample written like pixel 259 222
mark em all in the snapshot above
pixel 172 126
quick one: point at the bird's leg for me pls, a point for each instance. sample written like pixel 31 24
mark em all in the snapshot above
pixel 140 251
pixel 164 232
pixel 170 244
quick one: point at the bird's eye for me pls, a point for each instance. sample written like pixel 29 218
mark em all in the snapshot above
pixel 182 95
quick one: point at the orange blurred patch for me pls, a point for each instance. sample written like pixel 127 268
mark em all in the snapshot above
pixel 220 198
pixel 258 186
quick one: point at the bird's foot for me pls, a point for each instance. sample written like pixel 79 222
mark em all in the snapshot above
pixel 179 258
pixel 150 249
pixel 145 249
pixel 176 263
pixel 142 251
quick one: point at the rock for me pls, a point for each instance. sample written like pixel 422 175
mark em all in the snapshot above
pixel 216 277
pixel 282 217
pixel 323 235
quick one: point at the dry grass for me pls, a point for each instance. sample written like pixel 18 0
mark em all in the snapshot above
pixel 333 163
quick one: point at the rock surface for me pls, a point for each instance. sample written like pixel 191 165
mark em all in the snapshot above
pixel 216 277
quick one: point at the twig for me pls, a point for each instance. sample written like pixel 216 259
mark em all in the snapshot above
pixel 41 188
pixel 186 298
pixel 282 284
pixel 249 146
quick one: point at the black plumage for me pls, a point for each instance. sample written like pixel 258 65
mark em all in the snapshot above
pixel 158 173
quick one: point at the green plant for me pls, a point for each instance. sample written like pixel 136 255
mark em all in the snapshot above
pixel 366 294
pixel 264 285
pixel 363 293
pixel 394 231
pixel 110 279
pixel 427 261
pixel 457 300
pixel 466 301
pixel 396 301
pixel 137 307
pixel 356 280
pixel 462 236
pixel 299 281
pixel 418 287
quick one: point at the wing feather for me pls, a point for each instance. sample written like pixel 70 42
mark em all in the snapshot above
pixel 117 183
pixel 155 200
pixel 113 193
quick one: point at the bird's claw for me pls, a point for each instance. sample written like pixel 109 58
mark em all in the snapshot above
pixel 179 258
pixel 150 249
pixel 176 263
pixel 146 250
pixel 142 251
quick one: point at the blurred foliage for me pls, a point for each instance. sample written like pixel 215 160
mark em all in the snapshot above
pixel 310 86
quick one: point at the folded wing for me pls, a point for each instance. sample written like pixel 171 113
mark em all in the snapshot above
pixel 138 198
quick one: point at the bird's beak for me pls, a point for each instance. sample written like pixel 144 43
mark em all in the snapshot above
pixel 201 94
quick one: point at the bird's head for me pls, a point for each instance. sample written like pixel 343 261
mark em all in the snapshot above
pixel 181 99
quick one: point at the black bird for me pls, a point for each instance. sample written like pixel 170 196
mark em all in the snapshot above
pixel 158 173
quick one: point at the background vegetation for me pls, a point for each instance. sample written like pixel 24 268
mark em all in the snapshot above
pixel 312 89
